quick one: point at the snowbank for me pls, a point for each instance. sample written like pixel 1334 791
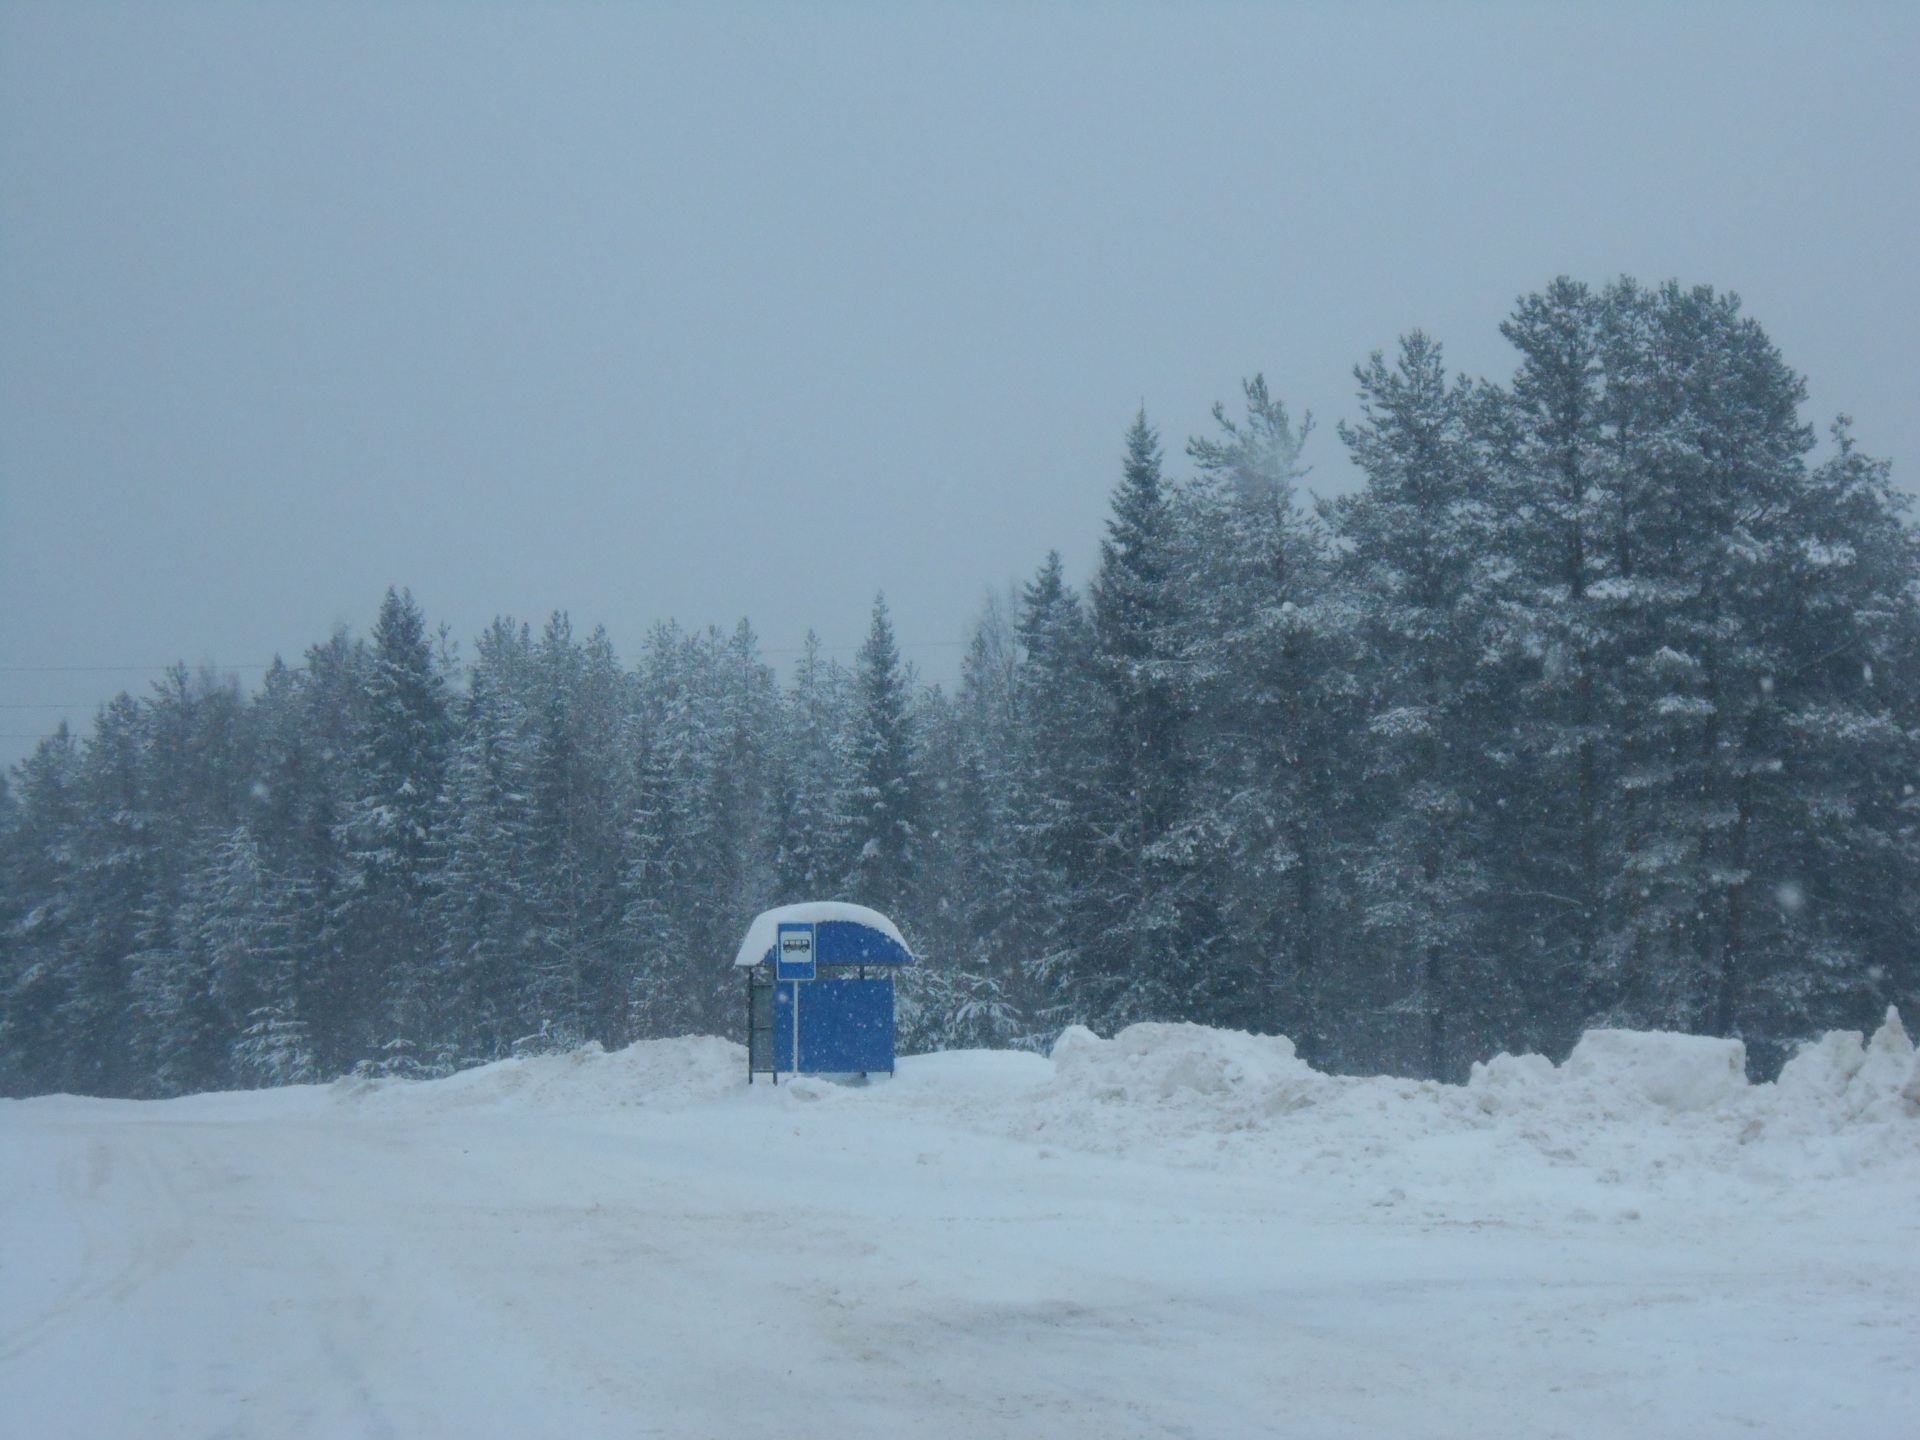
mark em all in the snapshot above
pixel 1649 1114
pixel 651 1072
pixel 1227 1080
pixel 1839 1080
pixel 1674 1072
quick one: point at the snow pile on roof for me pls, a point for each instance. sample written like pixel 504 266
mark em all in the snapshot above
pixel 765 929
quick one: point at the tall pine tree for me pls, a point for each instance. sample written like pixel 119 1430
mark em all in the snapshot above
pixel 399 760
pixel 886 809
pixel 1416 550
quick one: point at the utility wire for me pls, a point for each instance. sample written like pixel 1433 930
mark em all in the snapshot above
pixel 120 669
pixel 268 664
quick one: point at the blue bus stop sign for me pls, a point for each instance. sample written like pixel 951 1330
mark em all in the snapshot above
pixel 794 958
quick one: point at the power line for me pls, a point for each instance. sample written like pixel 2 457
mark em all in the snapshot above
pixel 123 669
pixel 268 664
pixel 903 644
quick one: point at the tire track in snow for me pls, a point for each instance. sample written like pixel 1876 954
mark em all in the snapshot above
pixel 156 1239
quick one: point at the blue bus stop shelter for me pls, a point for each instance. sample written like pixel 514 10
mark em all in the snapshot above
pixel 820 990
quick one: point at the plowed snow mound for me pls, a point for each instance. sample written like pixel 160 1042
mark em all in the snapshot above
pixel 649 1072
pixel 1169 1062
pixel 1639 1115
pixel 1648 1114
pixel 1833 1086
pixel 1674 1072
pixel 1838 1081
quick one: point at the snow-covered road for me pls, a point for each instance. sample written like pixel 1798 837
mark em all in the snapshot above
pixel 1198 1238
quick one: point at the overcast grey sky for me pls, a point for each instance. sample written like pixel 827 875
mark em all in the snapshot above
pixel 634 311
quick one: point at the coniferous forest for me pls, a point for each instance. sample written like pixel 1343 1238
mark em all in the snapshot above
pixel 1598 703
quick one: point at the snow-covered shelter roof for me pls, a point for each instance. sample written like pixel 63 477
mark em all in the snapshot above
pixel 843 935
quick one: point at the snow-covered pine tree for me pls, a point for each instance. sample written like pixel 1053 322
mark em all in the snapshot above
pixel 1750 633
pixel 253 930
pixel 398 762
pixel 13 908
pixel 575 831
pixel 304 723
pixel 814 786
pixel 1062 720
pixel 115 860
pixel 38 900
pixel 698 866
pixel 973 907
pixel 193 769
pixel 739 795
pixel 1142 946
pixel 656 842
pixel 530 896
pixel 239 929
pixel 580 802
pixel 1416 539
pixel 476 1000
pixel 1551 847
pixel 886 811
pixel 1261 643
pixel 1825 936
pixel 961 993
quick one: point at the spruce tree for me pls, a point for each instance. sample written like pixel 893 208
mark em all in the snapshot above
pixel 1142 945
pixel 658 841
pixel 739 797
pixel 698 863
pixel 250 929
pixel 118 867
pixel 814 785
pixel 223 998
pixel 589 902
pixel 1262 651
pixel 192 768
pixel 1551 851
pixel 475 999
pixel 1746 623
pixel 1061 725
pixel 38 908
pixel 306 722
pixel 398 760
pixel 1416 549
pixel 886 807
pixel 1826 939
pixel 981 893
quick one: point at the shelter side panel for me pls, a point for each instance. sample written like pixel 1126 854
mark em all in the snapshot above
pixel 845 1026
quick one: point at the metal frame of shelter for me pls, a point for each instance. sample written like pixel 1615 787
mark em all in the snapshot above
pixel 820 998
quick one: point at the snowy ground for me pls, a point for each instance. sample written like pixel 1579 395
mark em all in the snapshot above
pixel 1178 1232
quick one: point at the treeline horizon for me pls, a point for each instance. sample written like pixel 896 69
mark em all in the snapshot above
pixel 1598 703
